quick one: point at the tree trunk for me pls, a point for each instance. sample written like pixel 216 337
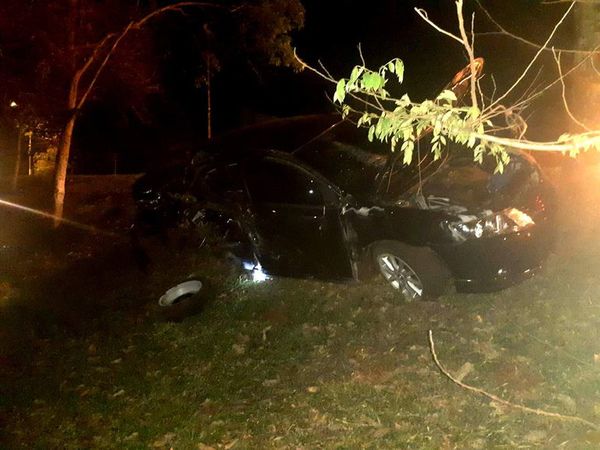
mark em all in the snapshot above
pixel 208 101
pixel 64 150
pixel 62 163
pixel 18 161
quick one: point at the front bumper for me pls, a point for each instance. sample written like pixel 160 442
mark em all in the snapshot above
pixel 485 265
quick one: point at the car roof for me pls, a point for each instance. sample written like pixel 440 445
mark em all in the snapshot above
pixel 284 135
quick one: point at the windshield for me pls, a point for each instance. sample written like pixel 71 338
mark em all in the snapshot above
pixel 364 169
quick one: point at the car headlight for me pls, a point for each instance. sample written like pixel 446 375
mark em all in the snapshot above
pixel 507 221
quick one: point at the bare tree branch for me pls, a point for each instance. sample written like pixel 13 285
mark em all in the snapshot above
pixel 177 7
pixel 504 32
pixel 556 56
pixel 470 51
pixel 423 14
pixel 538 53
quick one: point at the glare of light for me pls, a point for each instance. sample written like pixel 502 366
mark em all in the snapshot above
pixel 519 217
pixel 258 276
pixel 248 265
pixel 13 104
pixel 41 213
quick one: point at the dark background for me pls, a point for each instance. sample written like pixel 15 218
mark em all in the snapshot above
pixel 111 136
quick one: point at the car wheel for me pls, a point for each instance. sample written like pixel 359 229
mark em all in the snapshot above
pixel 416 272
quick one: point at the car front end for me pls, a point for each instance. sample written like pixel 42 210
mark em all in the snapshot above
pixel 499 228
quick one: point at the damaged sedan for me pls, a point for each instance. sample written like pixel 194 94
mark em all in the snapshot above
pixel 311 197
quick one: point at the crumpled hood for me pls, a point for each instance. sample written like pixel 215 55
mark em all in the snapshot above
pixel 462 186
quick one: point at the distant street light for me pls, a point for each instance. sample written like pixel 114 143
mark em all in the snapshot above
pixel 13 104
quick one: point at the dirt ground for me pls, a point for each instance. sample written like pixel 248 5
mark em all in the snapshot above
pixel 87 361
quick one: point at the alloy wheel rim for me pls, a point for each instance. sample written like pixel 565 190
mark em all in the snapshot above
pixel 401 276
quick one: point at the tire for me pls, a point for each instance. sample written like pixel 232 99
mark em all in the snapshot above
pixel 415 271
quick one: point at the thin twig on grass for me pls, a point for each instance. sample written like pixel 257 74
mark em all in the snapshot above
pixel 495 398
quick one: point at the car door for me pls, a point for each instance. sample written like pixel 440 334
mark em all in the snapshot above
pixel 296 217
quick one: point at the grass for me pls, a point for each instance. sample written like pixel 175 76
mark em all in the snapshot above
pixel 304 364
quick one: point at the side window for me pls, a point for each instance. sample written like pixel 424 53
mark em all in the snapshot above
pixel 221 185
pixel 271 181
pixel 224 182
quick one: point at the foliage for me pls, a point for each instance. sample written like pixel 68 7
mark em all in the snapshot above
pixel 258 33
pixel 397 120
pixel 265 30
pixel 401 122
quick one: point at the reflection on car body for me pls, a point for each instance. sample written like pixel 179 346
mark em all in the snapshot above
pixel 315 199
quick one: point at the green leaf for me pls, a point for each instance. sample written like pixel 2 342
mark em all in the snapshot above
pixel 473 112
pixel 407 148
pixel 340 91
pixel 371 132
pixel 437 152
pixel 365 119
pixel 478 153
pixel 345 111
pixel 372 81
pixel 564 137
pixel 399 69
pixel 471 142
pixel 447 96
pixel 356 72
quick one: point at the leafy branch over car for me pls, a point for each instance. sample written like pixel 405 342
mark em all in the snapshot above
pixel 400 121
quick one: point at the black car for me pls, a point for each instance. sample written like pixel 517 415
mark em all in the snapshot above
pixel 314 198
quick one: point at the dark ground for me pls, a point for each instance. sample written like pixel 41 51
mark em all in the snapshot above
pixel 86 360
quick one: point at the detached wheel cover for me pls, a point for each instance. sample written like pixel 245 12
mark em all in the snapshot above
pixel 180 292
pixel 400 275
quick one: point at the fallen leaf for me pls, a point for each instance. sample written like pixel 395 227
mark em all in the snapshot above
pixel 202 446
pixel 312 389
pixel 264 333
pixel 132 436
pixel 118 393
pixel 239 349
pixel 535 436
pixel 465 370
pixel 165 440
pixel 230 444
pixel 381 432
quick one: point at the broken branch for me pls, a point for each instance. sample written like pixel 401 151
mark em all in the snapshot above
pixel 495 398
pixel 469 48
